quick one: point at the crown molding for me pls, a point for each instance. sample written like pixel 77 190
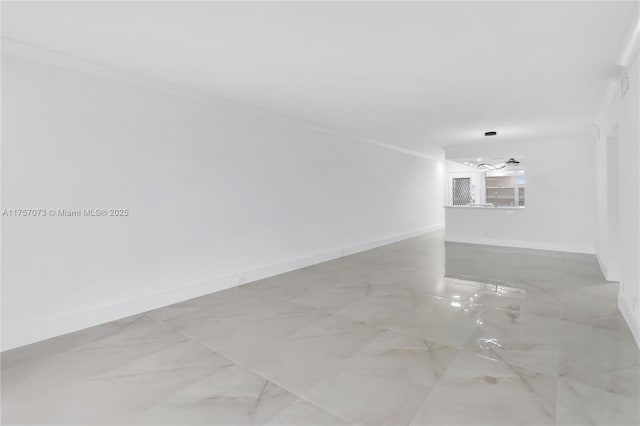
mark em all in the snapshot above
pixel 35 53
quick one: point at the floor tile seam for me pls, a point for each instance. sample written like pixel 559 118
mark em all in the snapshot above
pixel 373 324
pixel 211 370
pixel 291 391
pixel 565 378
pixel 164 346
pixel 326 315
pixel 205 346
pixel 167 393
pixel 511 366
pixel 243 317
pixel 430 340
pixel 133 360
pixel 467 343
pixel 234 362
pixel 313 404
pixel 168 325
pixel 533 315
pixel 557 398
pixel 532 391
pixel 275 382
pixel 338 314
pixel 195 311
pixel 359 351
pixel 326 409
pixel 86 346
pixel 433 389
pixel 571 375
pixel 533 369
pixel 327 311
pixel 183 385
pixel 544 372
pixel 614 334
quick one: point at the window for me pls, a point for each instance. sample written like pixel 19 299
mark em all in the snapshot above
pixel 461 191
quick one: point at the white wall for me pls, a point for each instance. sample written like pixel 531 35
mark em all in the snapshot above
pixel 619 121
pixel 623 120
pixel 608 205
pixel 613 208
pixel 560 205
pixel 629 141
pixel 218 193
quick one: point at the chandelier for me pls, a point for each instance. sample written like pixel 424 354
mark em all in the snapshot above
pixel 484 167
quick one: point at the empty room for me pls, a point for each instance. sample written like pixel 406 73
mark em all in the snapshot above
pixel 315 213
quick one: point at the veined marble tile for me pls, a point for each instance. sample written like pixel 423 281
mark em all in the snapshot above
pixel 358 272
pixel 466 269
pixel 240 328
pixel 288 285
pixel 40 377
pixel 302 359
pixel 537 271
pixel 527 341
pixel 485 263
pixel 600 359
pixel 303 413
pixel 477 390
pixel 364 339
pixel 552 288
pixel 583 405
pixel 334 297
pixel 49 347
pixel 168 313
pixel 438 319
pixel 109 396
pixel 385 382
pixel 513 297
pixel 229 396
pixel 400 258
pixel 436 285
pixel 586 269
pixel 385 305
pixel 596 306
pixel 500 296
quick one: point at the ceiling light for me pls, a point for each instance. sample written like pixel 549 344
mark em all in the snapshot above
pixel 487 167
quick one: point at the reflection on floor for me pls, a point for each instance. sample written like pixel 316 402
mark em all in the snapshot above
pixel 509 337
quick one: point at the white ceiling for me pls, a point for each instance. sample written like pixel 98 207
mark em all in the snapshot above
pixel 414 74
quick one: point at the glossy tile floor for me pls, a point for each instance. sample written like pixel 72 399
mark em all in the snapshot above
pixel 509 337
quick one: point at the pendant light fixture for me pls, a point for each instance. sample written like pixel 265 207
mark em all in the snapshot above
pixel 512 162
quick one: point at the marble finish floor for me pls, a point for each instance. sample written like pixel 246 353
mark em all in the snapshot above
pixel 413 333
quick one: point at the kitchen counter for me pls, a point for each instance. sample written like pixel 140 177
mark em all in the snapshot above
pixel 484 208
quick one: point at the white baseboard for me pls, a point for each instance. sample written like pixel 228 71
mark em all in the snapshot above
pixel 52 327
pixel 521 244
pixel 632 322
pixel 609 275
